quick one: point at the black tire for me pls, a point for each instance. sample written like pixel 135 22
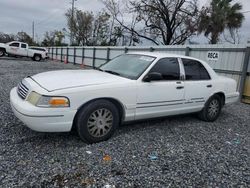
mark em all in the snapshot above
pixel 212 109
pixel 37 57
pixel 87 121
pixel 2 52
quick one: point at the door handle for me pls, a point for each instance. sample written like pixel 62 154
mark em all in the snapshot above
pixel 180 87
pixel 209 86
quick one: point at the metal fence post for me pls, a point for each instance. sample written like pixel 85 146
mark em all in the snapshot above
pixel 83 54
pixel 49 51
pixel 244 71
pixel 187 51
pixel 61 54
pixel 94 51
pixel 151 49
pixel 67 54
pixel 56 52
pixel 52 53
pixel 108 54
pixel 74 55
pixel 126 50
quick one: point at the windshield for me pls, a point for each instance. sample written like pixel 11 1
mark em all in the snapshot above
pixel 129 65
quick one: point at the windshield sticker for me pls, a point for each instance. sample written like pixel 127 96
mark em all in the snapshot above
pixel 145 58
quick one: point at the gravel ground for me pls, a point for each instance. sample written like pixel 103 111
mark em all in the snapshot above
pixel 179 151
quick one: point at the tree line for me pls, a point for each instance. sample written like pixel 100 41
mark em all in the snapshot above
pixel 158 22
pixel 51 38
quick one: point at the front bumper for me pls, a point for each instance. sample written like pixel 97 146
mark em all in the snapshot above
pixel 41 119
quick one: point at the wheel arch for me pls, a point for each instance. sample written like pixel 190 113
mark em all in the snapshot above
pixel 120 107
pixel 2 48
pixel 222 96
pixel 37 54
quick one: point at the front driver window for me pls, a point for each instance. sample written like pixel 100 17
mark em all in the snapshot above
pixel 15 44
pixel 168 67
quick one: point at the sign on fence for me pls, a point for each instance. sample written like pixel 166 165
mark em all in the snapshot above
pixel 213 56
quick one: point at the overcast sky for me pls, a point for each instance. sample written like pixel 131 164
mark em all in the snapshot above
pixel 48 15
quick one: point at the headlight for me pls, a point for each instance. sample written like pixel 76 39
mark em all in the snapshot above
pixel 48 101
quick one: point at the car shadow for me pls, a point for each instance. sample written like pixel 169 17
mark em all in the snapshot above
pixel 72 138
pixel 25 59
pixel 157 122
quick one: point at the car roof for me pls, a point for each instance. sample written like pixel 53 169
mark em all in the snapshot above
pixel 160 54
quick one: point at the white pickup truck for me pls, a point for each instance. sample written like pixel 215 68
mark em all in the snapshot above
pixel 21 49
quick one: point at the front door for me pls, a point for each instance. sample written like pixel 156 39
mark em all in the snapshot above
pixel 13 48
pixel 161 97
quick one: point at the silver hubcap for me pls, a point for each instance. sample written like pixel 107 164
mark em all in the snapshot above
pixel 213 108
pixel 1 53
pixel 100 122
pixel 37 58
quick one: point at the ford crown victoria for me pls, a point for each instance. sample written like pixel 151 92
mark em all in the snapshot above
pixel 130 87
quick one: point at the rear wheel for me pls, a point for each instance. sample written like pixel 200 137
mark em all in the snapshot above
pixel 97 121
pixel 37 57
pixel 212 109
pixel 2 52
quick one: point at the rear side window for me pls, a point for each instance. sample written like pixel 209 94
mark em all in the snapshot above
pixel 23 46
pixel 194 70
pixel 168 67
pixel 15 44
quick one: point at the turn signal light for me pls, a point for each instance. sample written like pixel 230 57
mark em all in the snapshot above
pixel 58 102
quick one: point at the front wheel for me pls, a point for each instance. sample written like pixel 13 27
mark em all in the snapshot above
pixel 212 109
pixel 97 121
pixel 2 52
pixel 37 58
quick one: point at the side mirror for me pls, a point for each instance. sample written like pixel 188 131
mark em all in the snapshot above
pixel 153 76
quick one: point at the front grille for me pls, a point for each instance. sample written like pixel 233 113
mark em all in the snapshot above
pixel 22 90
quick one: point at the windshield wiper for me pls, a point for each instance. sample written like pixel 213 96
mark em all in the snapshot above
pixel 112 72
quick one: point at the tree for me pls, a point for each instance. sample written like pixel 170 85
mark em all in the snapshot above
pixel 232 36
pixel 101 29
pixel 59 36
pixel 219 16
pixel 4 38
pixel 81 26
pixel 165 22
pixel 89 29
pixel 53 38
pixel 24 37
pixel 20 36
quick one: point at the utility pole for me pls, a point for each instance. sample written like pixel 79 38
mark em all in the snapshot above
pixel 72 19
pixel 33 31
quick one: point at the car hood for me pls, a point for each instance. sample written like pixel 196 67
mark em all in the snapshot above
pixel 2 45
pixel 65 79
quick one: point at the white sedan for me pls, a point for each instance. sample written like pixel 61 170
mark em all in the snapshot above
pixel 130 87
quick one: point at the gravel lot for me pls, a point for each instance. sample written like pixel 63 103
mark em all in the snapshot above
pixel 172 152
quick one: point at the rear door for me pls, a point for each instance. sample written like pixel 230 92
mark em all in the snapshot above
pixel 198 83
pixel 23 51
pixel 161 97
